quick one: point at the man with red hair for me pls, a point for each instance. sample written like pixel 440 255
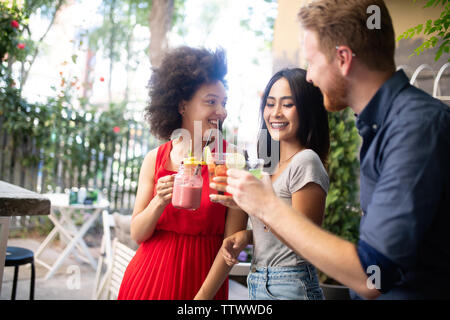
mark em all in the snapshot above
pixel 403 250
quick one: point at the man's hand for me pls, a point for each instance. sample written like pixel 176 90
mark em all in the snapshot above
pixel 219 184
pixel 250 193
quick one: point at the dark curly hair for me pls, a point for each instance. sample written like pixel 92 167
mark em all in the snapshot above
pixel 182 71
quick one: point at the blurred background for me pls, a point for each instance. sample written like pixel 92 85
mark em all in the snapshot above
pixel 74 74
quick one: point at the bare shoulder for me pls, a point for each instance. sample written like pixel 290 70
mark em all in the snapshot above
pixel 148 165
pixel 151 155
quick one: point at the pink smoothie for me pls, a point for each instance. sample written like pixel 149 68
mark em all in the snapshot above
pixel 186 197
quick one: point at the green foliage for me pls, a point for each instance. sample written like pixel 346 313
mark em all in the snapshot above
pixel 17 44
pixel 46 7
pixel 436 31
pixel 12 23
pixel 342 213
pixel 264 30
pixel 179 15
pixel 120 19
pixel 14 110
pixel 342 207
pixel 61 132
pixel 64 127
pixel 42 226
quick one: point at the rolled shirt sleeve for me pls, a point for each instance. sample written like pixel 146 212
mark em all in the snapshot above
pixel 390 273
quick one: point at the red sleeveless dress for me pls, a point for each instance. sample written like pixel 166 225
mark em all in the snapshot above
pixel 173 263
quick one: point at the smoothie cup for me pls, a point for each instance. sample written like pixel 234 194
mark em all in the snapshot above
pixel 255 167
pixel 219 164
pixel 187 188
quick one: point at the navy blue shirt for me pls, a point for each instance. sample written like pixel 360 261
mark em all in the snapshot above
pixel 405 191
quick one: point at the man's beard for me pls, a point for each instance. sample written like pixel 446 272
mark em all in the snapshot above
pixel 334 99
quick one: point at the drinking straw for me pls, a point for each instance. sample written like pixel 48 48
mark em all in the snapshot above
pixel 209 138
pixel 207 142
pixel 219 137
pixel 190 148
pixel 197 169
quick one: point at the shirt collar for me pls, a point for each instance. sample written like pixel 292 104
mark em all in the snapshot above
pixel 374 114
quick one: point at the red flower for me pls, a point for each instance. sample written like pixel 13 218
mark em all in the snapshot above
pixel 21 46
pixel 102 79
pixel 116 129
pixel 14 24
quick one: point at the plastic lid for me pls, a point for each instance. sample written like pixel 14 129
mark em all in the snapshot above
pixel 192 160
pixel 235 160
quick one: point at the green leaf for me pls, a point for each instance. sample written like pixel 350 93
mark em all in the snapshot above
pixel 428 27
pixel 434 41
pixel 419 28
pixel 431 2
pixel 442 48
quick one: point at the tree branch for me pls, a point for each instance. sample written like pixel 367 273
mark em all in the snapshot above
pixel 25 73
pixel 160 21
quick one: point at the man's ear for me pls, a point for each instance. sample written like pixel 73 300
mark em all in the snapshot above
pixel 345 58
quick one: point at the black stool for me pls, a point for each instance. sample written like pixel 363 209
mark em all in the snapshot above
pixel 16 257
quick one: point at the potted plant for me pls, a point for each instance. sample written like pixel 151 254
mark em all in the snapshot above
pixel 342 214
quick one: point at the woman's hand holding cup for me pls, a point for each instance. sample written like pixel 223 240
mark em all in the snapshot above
pixel 164 189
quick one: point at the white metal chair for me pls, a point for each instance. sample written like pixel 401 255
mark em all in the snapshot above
pixel 104 262
pixel 110 284
pixel 119 222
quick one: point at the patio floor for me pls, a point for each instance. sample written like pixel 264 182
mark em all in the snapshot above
pixel 60 286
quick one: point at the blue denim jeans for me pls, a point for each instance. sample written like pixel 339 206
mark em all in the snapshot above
pixel 284 283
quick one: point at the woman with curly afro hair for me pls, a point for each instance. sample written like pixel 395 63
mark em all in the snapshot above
pixel 178 258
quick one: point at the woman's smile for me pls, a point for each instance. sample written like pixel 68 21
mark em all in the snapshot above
pixel 213 122
pixel 279 125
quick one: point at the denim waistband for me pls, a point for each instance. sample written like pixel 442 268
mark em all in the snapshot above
pixel 278 269
pixel 288 271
